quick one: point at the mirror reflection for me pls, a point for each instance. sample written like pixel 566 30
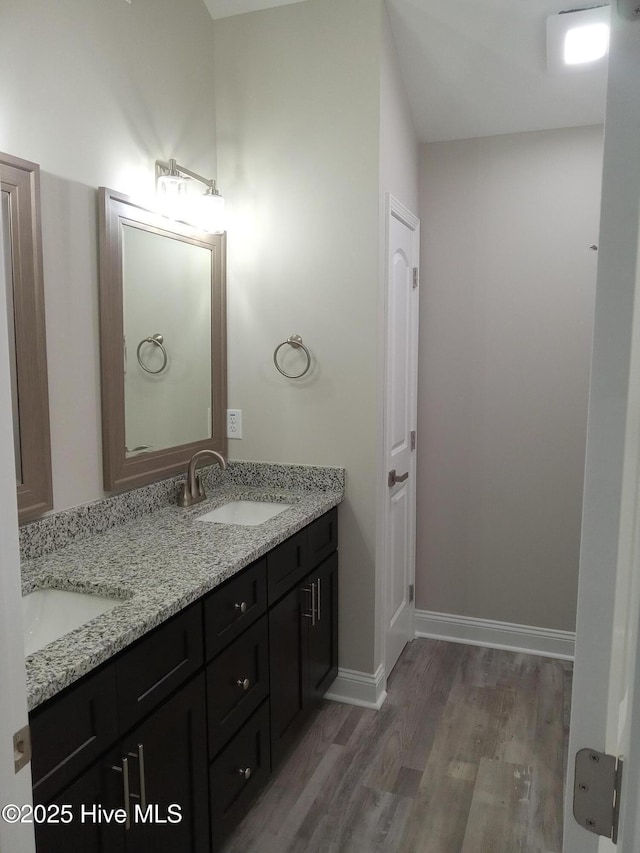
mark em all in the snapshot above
pixel 24 298
pixel 13 365
pixel 167 331
pixel 163 342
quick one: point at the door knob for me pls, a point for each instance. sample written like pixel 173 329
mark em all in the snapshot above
pixel 394 478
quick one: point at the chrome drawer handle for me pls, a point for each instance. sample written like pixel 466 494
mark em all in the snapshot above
pixel 246 773
pixel 312 615
pixel 243 683
pixel 125 790
pixel 242 607
pixel 141 776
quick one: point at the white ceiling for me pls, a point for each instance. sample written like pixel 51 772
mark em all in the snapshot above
pixel 478 67
pixel 226 8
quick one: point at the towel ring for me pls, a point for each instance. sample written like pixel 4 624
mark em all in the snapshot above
pixel 158 341
pixel 294 341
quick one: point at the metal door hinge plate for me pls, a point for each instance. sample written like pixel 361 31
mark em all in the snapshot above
pixel 596 792
pixel 22 748
pixel 415 277
pixel 413 439
pixel 412 592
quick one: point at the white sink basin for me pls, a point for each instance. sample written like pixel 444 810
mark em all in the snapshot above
pixel 49 614
pixel 249 513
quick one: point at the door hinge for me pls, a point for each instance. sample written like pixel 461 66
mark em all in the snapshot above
pixel 412 592
pixel 415 277
pixel 413 439
pixel 596 792
pixel 21 748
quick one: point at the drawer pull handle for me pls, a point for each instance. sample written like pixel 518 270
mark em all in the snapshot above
pixel 142 796
pixel 246 773
pixel 243 683
pixel 143 779
pixel 312 615
pixel 125 790
pixel 242 606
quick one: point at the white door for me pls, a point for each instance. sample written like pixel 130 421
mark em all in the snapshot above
pixel 400 424
pixel 14 788
pixel 605 713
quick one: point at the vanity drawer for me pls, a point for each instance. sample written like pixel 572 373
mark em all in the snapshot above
pixel 148 672
pixel 230 790
pixel 234 606
pixel 71 732
pixel 286 565
pixel 323 537
pixel 237 682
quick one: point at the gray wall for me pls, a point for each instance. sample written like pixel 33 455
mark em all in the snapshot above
pixel 506 316
pixel 298 113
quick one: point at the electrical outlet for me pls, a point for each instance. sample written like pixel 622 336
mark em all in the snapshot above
pixel 234 423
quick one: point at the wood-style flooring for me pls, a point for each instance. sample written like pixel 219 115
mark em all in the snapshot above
pixel 467 755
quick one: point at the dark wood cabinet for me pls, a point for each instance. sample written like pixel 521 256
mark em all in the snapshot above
pixel 303 640
pixel 237 682
pixel 156 776
pixel 238 773
pixel 177 734
pixel 323 635
pixel 167 764
pixel 288 668
pixel 96 792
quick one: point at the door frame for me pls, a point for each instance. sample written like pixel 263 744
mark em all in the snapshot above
pixel 393 208
pixel 605 698
pixel 14 788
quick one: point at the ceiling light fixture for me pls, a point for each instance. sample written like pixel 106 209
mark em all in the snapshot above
pixel 578 38
pixel 205 210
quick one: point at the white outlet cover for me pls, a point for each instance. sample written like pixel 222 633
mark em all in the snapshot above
pixel 234 423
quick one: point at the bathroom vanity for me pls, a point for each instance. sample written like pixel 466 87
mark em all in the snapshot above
pixel 163 745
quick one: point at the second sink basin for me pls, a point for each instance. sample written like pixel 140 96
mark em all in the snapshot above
pixel 249 513
pixel 48 614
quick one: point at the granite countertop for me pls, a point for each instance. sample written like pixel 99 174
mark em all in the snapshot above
pixel 158 564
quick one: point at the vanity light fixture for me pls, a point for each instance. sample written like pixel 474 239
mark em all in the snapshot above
pixel 578 38
pixel 205 210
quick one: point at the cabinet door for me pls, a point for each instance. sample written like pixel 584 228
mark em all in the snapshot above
pixel 288 670
pixel 92 800
pixel 237 682
pixel 238 774
pixel 167 758
pixel 323 632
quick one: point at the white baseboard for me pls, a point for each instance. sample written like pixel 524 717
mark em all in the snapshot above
pixel 359 688
pixel 496 635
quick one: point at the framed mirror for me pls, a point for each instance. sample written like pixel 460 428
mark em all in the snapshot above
pixel 162 342
pixel 22 258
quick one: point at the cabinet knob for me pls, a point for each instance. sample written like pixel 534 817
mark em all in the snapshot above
pixel 243 683
pixel 242 606
pixel 246 773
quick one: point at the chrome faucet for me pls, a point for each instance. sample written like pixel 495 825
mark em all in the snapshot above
pixel 192 491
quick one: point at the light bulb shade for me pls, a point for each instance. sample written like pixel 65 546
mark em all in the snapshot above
pixel 586 44
pixel 210 213
pixel 171 185
pixel 578 40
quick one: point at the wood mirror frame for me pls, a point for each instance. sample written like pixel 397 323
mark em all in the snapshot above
pixel 21 180
pixel 121 471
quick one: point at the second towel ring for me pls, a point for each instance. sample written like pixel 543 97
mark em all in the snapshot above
pixel 294 341
pixel 157 340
